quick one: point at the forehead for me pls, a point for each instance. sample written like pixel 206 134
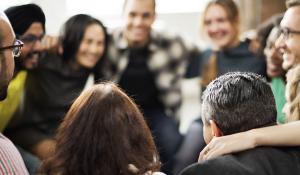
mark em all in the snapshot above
pixel 141 6
pixel 291 18
pixel 94 31
pixel 7 34
pixel 35 28
pixel 215 11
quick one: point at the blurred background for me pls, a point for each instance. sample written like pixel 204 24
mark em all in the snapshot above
pixel 180 17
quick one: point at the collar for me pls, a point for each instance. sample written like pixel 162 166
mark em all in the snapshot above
pixel 122 44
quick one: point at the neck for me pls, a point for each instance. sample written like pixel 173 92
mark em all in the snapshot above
pixel 232 44
pixel 141 44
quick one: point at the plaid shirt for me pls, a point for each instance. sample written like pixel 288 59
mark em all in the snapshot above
pixel 167 60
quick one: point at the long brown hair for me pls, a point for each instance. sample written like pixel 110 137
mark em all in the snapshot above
pixel 103 133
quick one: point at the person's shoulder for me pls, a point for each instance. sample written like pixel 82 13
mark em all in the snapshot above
pixel 164 38
pixel 227 164
pixel 211 167
pixel 261 153
pixel 50 61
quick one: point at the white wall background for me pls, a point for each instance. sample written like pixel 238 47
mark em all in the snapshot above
pixel 177 16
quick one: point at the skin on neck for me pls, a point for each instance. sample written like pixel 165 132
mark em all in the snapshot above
pixel 133 44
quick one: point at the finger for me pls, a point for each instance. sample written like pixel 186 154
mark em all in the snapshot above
pixel 203 153
pixel 212 154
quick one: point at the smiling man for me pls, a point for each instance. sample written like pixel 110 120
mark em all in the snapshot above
pixel 11 161
pixel 237 102
pixel 149 66
pixel 288 42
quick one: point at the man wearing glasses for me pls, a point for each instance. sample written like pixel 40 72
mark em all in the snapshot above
pixel 11 160
pixel 28 23
pixel 8 52
pixel 289 40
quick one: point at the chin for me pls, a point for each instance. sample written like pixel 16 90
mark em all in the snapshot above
pixel 286 66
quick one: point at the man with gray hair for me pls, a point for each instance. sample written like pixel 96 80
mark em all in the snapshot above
pixel 288 42
pixel 11 161
pixel 237 102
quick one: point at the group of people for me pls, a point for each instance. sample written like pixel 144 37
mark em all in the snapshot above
pixel 60 123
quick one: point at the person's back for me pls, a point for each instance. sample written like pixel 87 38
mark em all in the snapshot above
pixel 237 102
pixel 105 133
pixel 257 161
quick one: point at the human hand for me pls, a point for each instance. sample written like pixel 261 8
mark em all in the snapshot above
pixel 219 146
pixel 51 44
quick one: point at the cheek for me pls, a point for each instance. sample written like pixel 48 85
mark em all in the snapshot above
pixel 25 50
pixel 10 65
pixel 101 50
pixel 295 49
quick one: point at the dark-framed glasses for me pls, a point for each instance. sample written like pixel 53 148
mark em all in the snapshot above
pixel 30 38
pixel 286 32
pixel 16 48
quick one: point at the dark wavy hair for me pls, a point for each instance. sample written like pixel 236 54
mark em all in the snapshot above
pixel 73 31
pixel 103 133
pixel 239 101
pixel 264 30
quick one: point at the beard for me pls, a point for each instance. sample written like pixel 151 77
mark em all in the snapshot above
pixel 3 92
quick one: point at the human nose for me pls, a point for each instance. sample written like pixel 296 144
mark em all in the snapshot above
pixel 280 42
pixel 38 46
pixel 213 27
pixel 93 48
pixel 138 20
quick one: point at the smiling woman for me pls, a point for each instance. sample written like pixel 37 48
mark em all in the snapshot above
pixel 221 22
pixel 58 79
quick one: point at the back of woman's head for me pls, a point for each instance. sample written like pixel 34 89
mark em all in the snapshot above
pixel 103 133
pixel 73 31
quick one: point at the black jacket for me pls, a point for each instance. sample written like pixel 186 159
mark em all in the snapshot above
pixel 258 161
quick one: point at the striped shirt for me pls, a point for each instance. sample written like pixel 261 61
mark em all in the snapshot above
pixel 11 162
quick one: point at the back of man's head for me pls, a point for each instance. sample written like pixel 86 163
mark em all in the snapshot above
pixel 21 17
pixel 239 101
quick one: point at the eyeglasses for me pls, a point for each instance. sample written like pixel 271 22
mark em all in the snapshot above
pixel 16 48
pixel 30 38
pixel 286 32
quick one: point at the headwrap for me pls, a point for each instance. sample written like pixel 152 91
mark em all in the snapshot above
pixel 21 17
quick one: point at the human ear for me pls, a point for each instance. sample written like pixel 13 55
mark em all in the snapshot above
pixel 215 130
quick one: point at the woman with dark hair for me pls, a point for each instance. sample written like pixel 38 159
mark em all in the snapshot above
pixel 103 133
pixel 58 79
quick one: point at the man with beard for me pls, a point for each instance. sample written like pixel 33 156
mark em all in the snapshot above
pixel 10 160
pixel 28 23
